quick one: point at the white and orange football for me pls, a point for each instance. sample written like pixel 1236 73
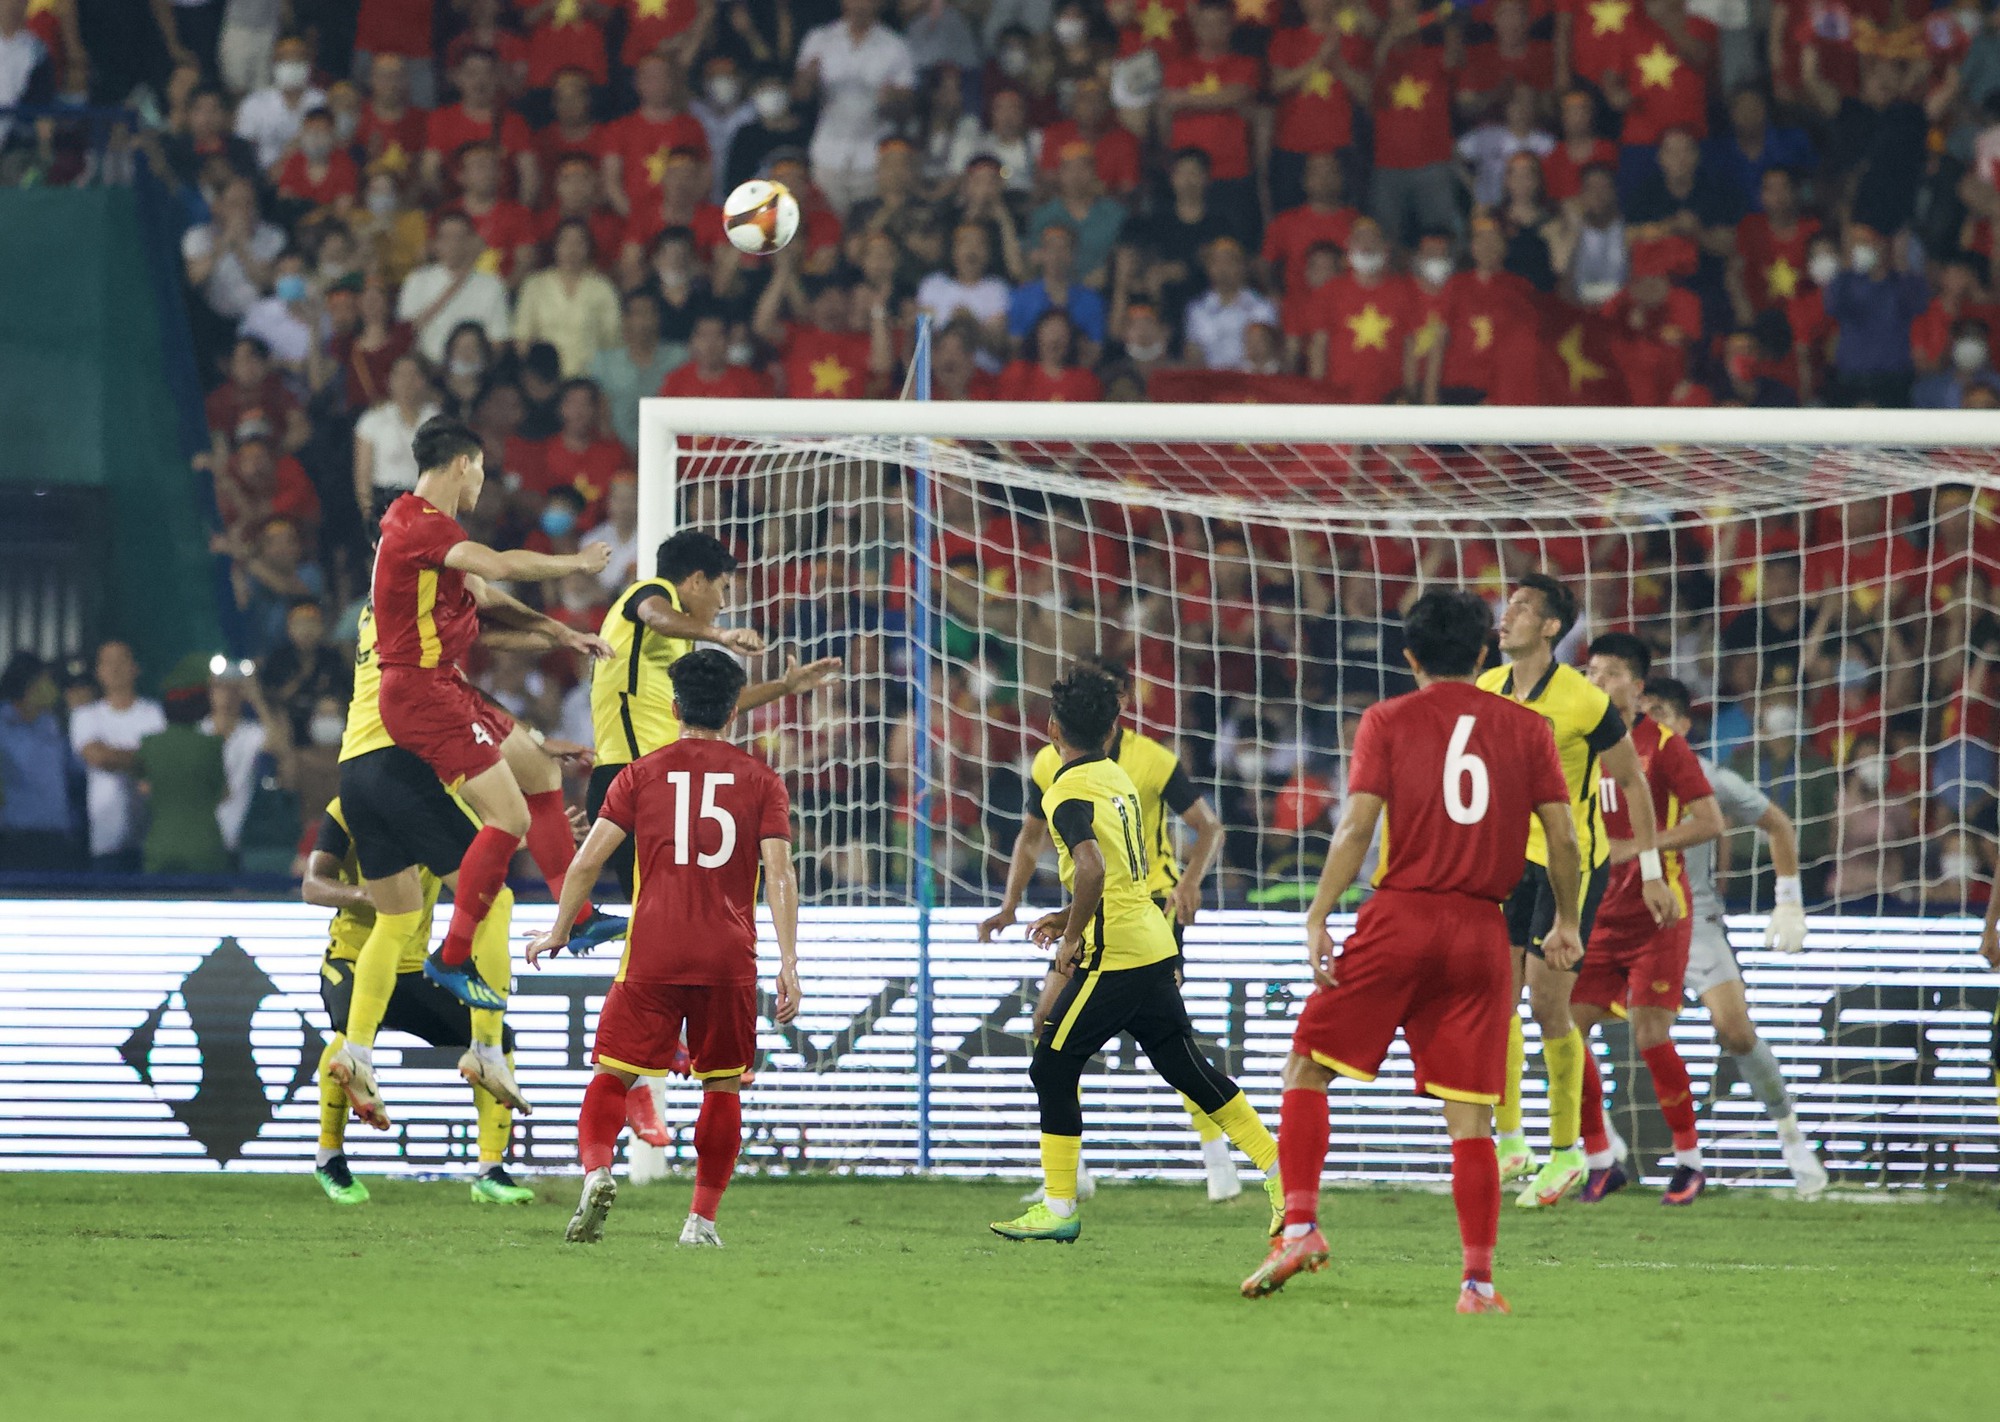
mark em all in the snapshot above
pixel 760 217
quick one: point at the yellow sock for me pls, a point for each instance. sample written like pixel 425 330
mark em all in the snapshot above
pixel 1564 1058
pixel 1507 1115
pixel 492 956
pixel 375 974
pixel 332 1104
pixel 1204 1124
pixel 1246 1131
pixel 1059 1157
pixel 496 1122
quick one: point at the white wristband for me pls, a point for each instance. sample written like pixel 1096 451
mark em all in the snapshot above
pixel 1789 891
pixel 1650 868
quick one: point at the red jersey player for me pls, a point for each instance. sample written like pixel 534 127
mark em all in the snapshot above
pixel 1635 966
pixel 1458 773
pixel 709 818
pixel 429 583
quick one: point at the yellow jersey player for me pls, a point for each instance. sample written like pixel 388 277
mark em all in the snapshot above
pixel 1114 962
pixel 416 1005
pixel 652 625
pixel 1589 733
pixel 1163 785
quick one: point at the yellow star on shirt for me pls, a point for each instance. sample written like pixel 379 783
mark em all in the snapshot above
pixel 1410 92
pixel 1607 17
pixel 652 10
pixel 567 12
pixel 1156 22
pixel 1582 369
pixel 1253 12
pixel 1429 334
pixel 1370 329
pixel 1211 83
pixel 656 167
pixel 829 376
pixel 1657 67
pixel 1319 84
pixel 40 7
pixel 1482 332
pixel 1781 278
pixel 1348 20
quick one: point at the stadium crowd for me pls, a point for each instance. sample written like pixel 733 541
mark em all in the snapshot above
pixel 510 212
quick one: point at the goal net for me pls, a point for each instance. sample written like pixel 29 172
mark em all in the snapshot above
pixel 1823 583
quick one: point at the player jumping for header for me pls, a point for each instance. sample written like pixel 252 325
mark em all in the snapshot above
pixel 708 819
pixel 1452 775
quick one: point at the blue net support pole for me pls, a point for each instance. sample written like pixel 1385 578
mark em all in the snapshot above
pixel 920 741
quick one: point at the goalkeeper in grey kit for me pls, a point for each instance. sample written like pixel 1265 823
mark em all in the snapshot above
pixel 1713 975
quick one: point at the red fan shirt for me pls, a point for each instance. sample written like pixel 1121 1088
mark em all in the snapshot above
pixel 566 39
pixel 1223 134
pixel 1026 380
pixel 651 23
pixel 1487 69
pixel 1412 106
pixel 340 180
pixel 396 141
pixel 642 146
pixel 738 382
pixel 1318 116
pixel 699 811
pixel 394 27
pixel 1367 327
pixel 648 222
pixel 424 615
pixel 1601 35
pixel 1667 91
pixel 451 129
pixel 826 365
pixel 1562 170
pixel 504 228
pixel 1116 151
pixel 1774 263
pixel 1296 231
pixel 1675 779
pixel 1460 772
pixel 1482 315
pixel 589 470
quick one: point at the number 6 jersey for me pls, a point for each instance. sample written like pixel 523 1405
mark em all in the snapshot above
pixel 700 811
pixel 1460 772
pixel 1094 799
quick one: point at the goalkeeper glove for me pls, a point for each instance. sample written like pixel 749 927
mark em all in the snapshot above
pixel 1786 928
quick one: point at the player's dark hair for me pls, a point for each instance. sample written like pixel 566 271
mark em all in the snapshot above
pixel 1672 692
pixel 1637 656
pixel 441 439
pixel 1119 673
pixel 691 551
pixel 1557 601
pixel 706 685
pixel 1084 701
pixel 1446 630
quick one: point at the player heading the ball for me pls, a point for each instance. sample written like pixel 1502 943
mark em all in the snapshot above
pixel 708 819
pixel 1453 775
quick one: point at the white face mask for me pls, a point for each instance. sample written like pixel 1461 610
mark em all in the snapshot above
pixel 1367 264
pixel 1780 722
pixel 327 730
pixel 1823 268
pixel 770 103
pixel 1957 864
pixel 291 75
pixel 1250 763
pixel 345 124
pixel 1013 62
pixel 1434 271
pixel 740 353
pixel 724 90
pixel 1870 772
pixel 1071 29
pixel 1150 351
pixel 1968 353
pixel 981 684
pixel 1864 258
pixel 467 369
pixel 382 202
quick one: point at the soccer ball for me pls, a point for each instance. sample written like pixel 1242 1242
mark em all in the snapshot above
pixel 760 217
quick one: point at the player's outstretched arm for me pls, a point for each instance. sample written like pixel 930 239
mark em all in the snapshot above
pixel 1562 947
pixel 797 679
pixel 322 887
pixel 1351 838
pixel 1785 930
pixel 664 618
pixel 1028 847
pixel 1207 826
pixel 519 565
pixel 603 838
pixel 518 620
pixel 1621 763
pixel 781 892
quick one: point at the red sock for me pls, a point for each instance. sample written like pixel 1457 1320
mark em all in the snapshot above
pixel 1303 1129
pixel 718 1136
pixel 551 844
pixel 1676 1093
pixel 1475 1190
pixel 481 875
pixel 1595 1137
pixel 600 1121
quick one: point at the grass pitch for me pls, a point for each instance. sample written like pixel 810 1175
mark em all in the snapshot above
pixel 181 1296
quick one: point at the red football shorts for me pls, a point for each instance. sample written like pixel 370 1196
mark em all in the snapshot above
pixel 437 716
pixel 1436 965
pixel 640 1027
pixel 1634 966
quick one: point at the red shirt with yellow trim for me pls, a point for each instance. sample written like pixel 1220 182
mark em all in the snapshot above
pixel 1675 778
pixel 424 615
pixel 699 811
pixel 826 365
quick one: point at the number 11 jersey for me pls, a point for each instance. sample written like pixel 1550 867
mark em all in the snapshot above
pixel 1460 772
pixel 700 811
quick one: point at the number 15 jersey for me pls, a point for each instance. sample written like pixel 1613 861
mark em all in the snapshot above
pixel 1460 772
pixel 700 811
